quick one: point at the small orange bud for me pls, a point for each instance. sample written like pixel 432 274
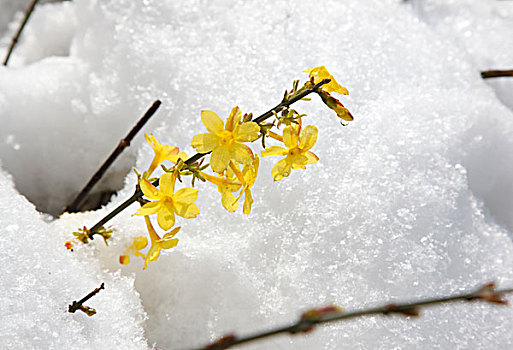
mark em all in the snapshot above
pixel 68 245
pixel 124 259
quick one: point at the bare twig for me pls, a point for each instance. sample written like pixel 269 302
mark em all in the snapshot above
pixel 75 204
pixel 311 318
pixel 77 305
pixel 197 156
pixel 496 73
pixel 14 41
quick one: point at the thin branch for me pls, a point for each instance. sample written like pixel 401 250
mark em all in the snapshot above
pixel 138 193
pixel 311 318
pixel 125 142
pixel 14 41
pixel 78 305
pixel 496 73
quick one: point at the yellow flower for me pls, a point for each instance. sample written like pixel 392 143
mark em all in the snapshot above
pixel 226 185
pixel 226 143
pixel 249 175
pixel 297 155
pixel 162 153
pixel 167 203
pixel 320 73
pixel 157 243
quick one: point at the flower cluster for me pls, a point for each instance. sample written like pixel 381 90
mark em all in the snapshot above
pixel 233 165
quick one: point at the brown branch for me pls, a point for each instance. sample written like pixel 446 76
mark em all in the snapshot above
pixel 496 73
pixel 77 305
pixel 14 41
pixel 311 318
pixel 138 193
pixel 75 204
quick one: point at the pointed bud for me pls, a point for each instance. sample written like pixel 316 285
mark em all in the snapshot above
pixel 336 105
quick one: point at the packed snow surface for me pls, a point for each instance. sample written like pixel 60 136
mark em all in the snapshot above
pixel 413 199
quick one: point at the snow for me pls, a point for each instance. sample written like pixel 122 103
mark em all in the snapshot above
pixel 412 199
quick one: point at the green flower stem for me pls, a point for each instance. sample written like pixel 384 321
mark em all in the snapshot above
pixel 138 193
pixel 310 319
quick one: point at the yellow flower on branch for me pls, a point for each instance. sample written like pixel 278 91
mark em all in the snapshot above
pixel 138 243
pixel 226 143
pixel 226 185
pixel 167 203
pixel 157 243
pixel 319 74
pixel 162 153
pixel 298 142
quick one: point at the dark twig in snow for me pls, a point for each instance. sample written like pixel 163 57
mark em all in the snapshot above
pixel 75 205
pixel 197 156
pixel 77 305
pixel 14 41
pixel 311 318
pixel 496 73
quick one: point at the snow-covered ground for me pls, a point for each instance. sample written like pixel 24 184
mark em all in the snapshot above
pixel 412 199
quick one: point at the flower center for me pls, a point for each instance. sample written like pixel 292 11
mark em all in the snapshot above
pixel 294 152
pixel 226 137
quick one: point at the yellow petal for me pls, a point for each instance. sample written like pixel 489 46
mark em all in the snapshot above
pixel 153 235
pixel 308 137
pixel 299 161
pixel 140 242
pixel 174 158
pixel 154 164
pixel 214 179
pixel 314 70
pixel 152 140
pixel 166 217
pixel 249 172
pixel 290 137
pixel 233 120
pixel 247 132
pixel 150 191
pixel 167 184
pixel 185 195
pixel 187 211
pixel 168 150
pixel 333 86
pixel 204 143
pixel 281 170
pixel 220 158
pixel 168 244
pixel 274 151
pixel 212 122
pixel 138 253
pixel 152 255
pixel 228 201
pixel 237 172
pixel 148 209
pixel 312 158
pixel 172 233
pixel 230 186
pixel 248 202
pixel 241 153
